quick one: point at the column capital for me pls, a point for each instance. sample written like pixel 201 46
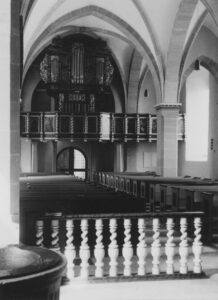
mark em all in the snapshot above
pixel 168 106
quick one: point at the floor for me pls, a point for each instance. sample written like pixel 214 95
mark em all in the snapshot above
pixel 183 289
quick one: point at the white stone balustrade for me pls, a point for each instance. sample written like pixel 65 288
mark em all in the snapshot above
pixel 84 251
pixel 113 250
pixel 197 246
pixel 183 246
pixel 155 247
pixel 70 251
pixel 99 249
pixel 39 233
pixel 127 250
pixel 55 235
pixel 128 247
pixel 141 247
pixel 170 247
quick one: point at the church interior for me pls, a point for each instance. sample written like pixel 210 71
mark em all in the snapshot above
pixel 109 165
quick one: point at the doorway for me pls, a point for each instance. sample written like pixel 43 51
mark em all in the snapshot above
pixel 72 161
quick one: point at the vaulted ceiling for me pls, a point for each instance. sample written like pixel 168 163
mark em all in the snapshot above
pixel 157 33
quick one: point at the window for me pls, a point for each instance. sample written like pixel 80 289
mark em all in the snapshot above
pixel 197 116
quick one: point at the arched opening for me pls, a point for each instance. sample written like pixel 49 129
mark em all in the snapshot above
pixel 72 161
pixel 197 155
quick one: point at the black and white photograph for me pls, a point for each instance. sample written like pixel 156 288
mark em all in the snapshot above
pixel 109 150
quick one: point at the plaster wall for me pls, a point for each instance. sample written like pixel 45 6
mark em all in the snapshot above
pixel 205 44
pixel 141 157
pixel 213 129
pixel 26 157
pixel 45 157
pixel 31 81
pixel 41 102
pixel 146 104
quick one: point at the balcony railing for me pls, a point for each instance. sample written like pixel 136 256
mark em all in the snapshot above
pixel 125 245
pixel 92 126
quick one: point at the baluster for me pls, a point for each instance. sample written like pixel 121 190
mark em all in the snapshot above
pixel 84 251
pixel 170 246
pixel 39 233
pixel 55 235
pixel 183 247
pixel 141 247
pixel 99 249
pixel 70 251
pixel 197 247
pixel 113 250
pixel 127 250
pixel 155 247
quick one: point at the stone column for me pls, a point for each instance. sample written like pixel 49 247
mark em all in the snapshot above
pixel 26 157
pixel 15 72
pixel 119 157
pixel 54 157
pixel 9 120
pixel 34 157
pixel 167 144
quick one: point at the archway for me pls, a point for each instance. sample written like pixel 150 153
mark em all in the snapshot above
pixel 73 161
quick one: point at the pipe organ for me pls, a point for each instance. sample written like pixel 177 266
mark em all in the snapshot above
pixel 76 72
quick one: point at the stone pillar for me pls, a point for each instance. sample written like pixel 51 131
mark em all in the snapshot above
pixel 34 168
pixel 167 144
pixel 54 157
pixel 15 72
pixel 9 120
pixel 119 157
pixel 26 156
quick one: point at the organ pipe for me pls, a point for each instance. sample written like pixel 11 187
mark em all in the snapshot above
pixel 82 67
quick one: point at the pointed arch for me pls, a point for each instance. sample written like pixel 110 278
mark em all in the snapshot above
pixel 210 8
pixel 134 77
pixel 133 37
pixel 154 38
pixel 89 32
pixel 189 43
pixel 207 63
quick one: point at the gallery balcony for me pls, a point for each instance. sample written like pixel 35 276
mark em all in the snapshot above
pixel 99 126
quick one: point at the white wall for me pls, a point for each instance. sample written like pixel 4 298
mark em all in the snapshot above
pixel 146 104
pixel 213 127
pixel 141 157
pixel 26 156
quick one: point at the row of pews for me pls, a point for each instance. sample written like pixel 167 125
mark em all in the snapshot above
pixel 68 195
pixel 166 194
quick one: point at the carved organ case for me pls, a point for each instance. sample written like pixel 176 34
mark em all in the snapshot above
pixel 77 72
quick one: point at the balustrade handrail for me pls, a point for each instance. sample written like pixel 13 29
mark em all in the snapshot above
pixel 59 215
pixel 177 238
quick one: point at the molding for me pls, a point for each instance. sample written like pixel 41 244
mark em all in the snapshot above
pixel 171 106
